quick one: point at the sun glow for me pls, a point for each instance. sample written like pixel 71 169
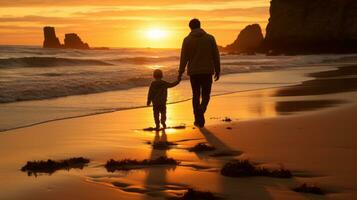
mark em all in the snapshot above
pixel 156 34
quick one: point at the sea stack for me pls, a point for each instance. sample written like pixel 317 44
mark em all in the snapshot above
pixel 310 27
pixel 51 41
pixel 248 41
pixel 73 41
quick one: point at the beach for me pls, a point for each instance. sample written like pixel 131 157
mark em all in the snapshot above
pixel 307 127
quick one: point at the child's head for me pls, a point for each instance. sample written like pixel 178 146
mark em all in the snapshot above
pixel 158 74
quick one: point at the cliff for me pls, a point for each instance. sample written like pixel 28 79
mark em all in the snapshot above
pixel 51 40
pixel 312 26
pixel 248 41
pixel 73 41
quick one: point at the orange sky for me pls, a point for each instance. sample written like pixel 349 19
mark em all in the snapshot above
pixel 127 23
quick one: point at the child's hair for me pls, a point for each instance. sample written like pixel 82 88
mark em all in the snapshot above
pixel 157 74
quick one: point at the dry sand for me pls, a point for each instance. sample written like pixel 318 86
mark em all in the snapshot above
pixel 318 145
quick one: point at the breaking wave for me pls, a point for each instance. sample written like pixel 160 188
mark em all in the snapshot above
pixel 147 60
pixel 117 69
pixel 48 62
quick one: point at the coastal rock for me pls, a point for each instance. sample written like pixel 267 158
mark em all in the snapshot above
pixel 318 26
pixel 73 41
pixel 248 41
pixel 51 41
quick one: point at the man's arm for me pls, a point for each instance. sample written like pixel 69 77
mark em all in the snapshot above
pixel 216 60
pixel 149 100
pixel 183 58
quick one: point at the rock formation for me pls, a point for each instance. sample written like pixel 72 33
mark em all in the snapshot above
pixel 312 26
pixel 73 41
pixel 51 41
pixel 248 41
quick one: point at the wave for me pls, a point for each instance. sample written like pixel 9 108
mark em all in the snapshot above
pixel 55 84
pixel 48 62
pixel 146 60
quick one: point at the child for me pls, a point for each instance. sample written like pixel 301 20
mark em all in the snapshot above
pixel 158 96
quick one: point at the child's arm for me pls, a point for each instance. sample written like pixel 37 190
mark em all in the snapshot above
pixel 173 84
pixel 149 100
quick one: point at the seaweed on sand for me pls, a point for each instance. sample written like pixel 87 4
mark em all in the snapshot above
pixel 201 147
pixel 128 164
pixel 149 129
pixel 178 127
pixel 227 119
pixel 225 154
pixel 306 188
pixel 192 194
pixel 163 145
pixel 244 168
pixel 170 127
pixel 51 166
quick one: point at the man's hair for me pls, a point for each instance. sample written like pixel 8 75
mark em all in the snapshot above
pixel 194 23
pixel 157 73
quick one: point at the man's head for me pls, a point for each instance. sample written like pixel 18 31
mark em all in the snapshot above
pixel 158 74
pixel 194 24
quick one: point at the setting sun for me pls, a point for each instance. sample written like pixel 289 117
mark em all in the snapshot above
pixel 156 34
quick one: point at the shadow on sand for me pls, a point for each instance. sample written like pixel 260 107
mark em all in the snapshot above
pixel 247 188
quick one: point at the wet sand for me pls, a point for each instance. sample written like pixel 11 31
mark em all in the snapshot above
pixel 310 133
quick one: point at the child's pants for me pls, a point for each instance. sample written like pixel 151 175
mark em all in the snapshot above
pixel 159 110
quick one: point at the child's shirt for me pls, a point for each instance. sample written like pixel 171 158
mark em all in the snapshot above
pixel 158 91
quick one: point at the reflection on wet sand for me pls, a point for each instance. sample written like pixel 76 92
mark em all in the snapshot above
pixel 156 177
pixel 342 79
pixel 287 107
pixel 155 182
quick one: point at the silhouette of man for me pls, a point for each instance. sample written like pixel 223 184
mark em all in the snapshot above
pixel 201 56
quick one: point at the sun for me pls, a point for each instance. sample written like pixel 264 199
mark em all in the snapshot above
pixel 156 34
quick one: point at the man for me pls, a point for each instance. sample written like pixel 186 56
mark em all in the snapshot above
pixel 201 56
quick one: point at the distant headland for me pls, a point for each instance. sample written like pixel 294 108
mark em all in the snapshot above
pixel 302 27
pixel 71 40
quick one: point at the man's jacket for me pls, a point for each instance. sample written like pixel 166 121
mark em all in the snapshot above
pixel 200 54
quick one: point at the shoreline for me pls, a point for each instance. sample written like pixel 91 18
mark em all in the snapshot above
pixel 3 131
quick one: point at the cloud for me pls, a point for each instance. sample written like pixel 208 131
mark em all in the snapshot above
pixel 53 3
pixel 256 12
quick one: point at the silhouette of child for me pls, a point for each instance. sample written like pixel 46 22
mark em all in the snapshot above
pixel 158 96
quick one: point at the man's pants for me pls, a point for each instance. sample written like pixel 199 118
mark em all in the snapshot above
pixel 201 86
pixel 159 110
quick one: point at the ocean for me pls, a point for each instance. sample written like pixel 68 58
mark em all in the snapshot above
pixel 39 85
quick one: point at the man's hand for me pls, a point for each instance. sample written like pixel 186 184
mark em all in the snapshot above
pixel 148 103
pixel 216 76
